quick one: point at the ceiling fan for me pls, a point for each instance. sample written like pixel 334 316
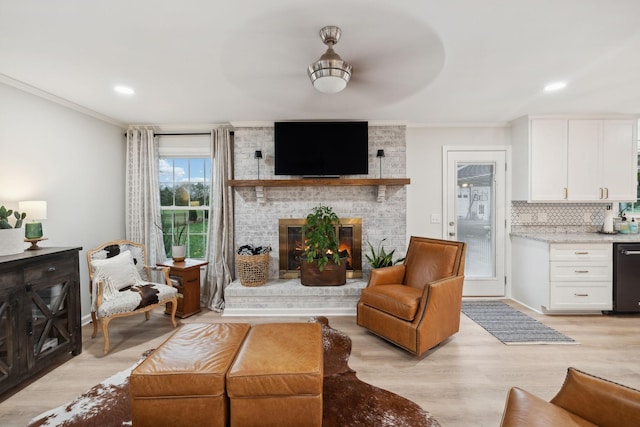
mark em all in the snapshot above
pixel 379 68
pixel 330 73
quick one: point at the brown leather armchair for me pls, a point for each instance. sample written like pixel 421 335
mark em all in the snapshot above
pixel 583 400
pixel 416 305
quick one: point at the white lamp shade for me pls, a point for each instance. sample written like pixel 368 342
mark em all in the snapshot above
pixel 35 209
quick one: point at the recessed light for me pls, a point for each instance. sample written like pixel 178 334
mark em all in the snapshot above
pixel 124 90
pixel 552 87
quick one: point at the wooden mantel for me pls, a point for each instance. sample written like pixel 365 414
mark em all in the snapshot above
pixel 315 182
pixel 259 184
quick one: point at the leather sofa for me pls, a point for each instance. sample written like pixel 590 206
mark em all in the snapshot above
pixel 583 400
pixel 416 305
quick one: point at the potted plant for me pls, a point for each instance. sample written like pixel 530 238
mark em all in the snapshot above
pixel 321 264
pixel 11 237
pixel 178 247
pixel 381 258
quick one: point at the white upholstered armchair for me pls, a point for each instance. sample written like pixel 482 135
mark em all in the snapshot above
pixel 120 285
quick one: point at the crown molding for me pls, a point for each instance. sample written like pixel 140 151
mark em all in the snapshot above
pixel 265 123
pixel 252 124
pixel 459 125
pixel 10 81
pixel 181 127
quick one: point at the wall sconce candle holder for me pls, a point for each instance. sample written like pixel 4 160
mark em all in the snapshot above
pixel 258 155
pixel 380 155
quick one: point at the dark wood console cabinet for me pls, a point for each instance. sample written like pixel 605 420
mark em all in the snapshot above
pixel 39 313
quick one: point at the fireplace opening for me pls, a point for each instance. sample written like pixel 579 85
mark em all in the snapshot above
pixel 291 241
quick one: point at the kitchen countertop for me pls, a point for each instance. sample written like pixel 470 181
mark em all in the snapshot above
pixel 578 237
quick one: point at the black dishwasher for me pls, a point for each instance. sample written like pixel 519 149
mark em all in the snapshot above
pixel 626 277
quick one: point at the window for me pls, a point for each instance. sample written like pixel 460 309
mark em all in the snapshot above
pixel 184 201
pixel 185 180
pixel 633 209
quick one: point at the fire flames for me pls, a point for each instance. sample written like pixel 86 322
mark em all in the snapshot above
pixel 344 249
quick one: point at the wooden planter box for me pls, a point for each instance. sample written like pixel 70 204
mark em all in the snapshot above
pixel 332 275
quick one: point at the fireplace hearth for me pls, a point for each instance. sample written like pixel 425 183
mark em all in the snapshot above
pixel 291 241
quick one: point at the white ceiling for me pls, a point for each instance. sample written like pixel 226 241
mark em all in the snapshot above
pixel 419 61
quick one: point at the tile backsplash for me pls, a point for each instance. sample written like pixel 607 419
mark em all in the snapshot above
pixel 554 217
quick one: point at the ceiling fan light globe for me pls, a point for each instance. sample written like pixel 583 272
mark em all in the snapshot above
pixel 330 84
pixel 329 76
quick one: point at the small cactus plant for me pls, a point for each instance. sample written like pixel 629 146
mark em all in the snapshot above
pixel 4 218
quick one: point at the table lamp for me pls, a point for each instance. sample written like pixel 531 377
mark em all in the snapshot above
pixel 36 211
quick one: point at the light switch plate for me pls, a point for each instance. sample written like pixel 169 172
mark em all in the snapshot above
pixel 435 218
pixel 542 217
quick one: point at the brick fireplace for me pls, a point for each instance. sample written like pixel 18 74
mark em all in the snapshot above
pixel 257 221
pixel 291 241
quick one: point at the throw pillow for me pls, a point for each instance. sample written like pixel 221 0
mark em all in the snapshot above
pixel 116 273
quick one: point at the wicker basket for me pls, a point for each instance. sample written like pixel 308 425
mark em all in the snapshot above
pixel 253 270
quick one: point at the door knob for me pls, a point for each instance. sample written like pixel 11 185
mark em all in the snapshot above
pixel 451 223
pixel 451 233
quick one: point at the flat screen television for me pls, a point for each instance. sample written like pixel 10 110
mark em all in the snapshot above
pixel 321 148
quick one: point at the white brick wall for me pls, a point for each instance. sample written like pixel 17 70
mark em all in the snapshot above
pixel 258 224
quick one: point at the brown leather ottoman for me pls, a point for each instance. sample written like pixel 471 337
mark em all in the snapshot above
pixel 183 381
pixel 276 379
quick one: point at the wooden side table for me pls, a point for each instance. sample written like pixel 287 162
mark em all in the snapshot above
pixel 187 274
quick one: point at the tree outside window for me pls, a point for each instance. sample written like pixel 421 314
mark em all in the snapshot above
pixel 184 202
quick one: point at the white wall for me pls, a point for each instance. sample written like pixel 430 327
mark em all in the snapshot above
pixel 424 167
pixel 73 161
pixel 77 164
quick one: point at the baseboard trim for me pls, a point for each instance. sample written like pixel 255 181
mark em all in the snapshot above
pixel 287 312
pixel 287 297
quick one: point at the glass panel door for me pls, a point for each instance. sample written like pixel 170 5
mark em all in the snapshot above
pixel 7 334
pixel 49 326
pixel 475 214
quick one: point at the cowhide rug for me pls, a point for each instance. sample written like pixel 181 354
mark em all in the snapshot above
pixel 347 401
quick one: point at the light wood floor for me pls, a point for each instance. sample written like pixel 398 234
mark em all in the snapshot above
pixel 463 382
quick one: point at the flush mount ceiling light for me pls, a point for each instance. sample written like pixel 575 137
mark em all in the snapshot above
pixel 124 90
pixel 330 74
pixel 555 86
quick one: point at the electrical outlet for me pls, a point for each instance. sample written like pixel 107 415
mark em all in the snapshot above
pixel 542 217
pixel 587 218
pixel 435 218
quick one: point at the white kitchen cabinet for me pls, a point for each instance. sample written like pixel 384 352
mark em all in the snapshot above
pixel 602 160
pixel 574 159
pixel 619 155
pixel 584 167
pixel 580 276
pixel 562 277
pixel 548 159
